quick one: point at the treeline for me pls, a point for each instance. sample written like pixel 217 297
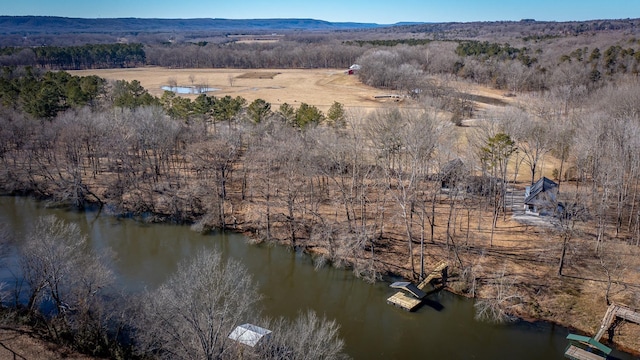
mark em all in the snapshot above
pixel 89 56
pixel 501 66
pixel 516 29
pixel 44 95
pixel 225 109
pixel 401 64
pixel 70 298
pixel 614 60
pixel 394 42
pixel 488 50
pixel 282 54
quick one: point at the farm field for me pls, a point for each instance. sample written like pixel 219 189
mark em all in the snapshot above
pixel 318 87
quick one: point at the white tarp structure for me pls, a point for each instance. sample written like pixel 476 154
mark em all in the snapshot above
pixel 249 334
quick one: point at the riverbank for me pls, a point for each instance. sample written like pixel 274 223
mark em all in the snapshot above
pixel 322 190
pixel 517 264
pixel 573 300
pixel 566 301
pixel 22 342
pixel 146 254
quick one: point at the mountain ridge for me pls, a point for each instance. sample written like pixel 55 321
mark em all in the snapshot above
pixel 56 24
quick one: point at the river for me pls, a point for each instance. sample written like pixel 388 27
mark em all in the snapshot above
pixel 445 328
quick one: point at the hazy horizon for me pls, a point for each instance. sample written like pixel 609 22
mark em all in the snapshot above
pixel 333 10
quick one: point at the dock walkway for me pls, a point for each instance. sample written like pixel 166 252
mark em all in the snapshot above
pixel 410 303
pixel 613 312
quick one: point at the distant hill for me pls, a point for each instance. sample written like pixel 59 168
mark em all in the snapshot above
pixel 61 25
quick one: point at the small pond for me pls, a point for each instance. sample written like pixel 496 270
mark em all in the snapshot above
pixel 189 89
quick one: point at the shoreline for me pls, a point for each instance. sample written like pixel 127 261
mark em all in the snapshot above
pixel 250 234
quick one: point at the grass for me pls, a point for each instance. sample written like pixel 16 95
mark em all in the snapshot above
pixel 318 87
pixel 258 75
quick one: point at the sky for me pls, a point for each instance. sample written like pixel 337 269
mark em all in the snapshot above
pixel 368 11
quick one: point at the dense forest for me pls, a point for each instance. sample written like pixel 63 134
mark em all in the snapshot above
pixel 379 192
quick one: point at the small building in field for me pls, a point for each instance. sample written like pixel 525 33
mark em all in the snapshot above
pixel 249 334
pixel 541 197
pixel 353 69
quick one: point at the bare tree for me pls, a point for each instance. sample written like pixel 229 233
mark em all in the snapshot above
pixel 57 267
pixel 172 83
pixel 308 337
pixel 191 315
pixel 495 157
pixel 407 140
pixel 213 160
pixel 613 267
pixel 502 296
pixel 568 214
pixel 533 140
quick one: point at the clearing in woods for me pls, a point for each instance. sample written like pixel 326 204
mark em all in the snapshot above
pixel 318 87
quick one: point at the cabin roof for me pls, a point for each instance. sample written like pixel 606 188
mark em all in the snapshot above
pixel 540 186
pixel 451 168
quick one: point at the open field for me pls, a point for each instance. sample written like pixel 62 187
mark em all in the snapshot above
pixel 318 87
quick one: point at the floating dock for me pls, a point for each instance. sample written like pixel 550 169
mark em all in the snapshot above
pixel 407 302
pixel 585 348
pixel 576 353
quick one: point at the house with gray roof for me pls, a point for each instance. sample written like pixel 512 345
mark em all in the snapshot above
pixel 541 198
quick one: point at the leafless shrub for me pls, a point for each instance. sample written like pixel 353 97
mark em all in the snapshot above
pixel 502 296
pixel 308 337
pixel 57 267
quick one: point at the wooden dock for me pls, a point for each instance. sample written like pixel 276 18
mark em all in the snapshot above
pixel 410 303
pixel 594 350
pixel 585 348
pixel 434 274
pixel 401 299
pixel 616 311
pixel 576 353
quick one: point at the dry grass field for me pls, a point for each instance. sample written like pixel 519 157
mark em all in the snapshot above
pixel 318 87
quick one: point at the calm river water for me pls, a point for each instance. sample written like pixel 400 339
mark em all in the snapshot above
pixel 443 329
